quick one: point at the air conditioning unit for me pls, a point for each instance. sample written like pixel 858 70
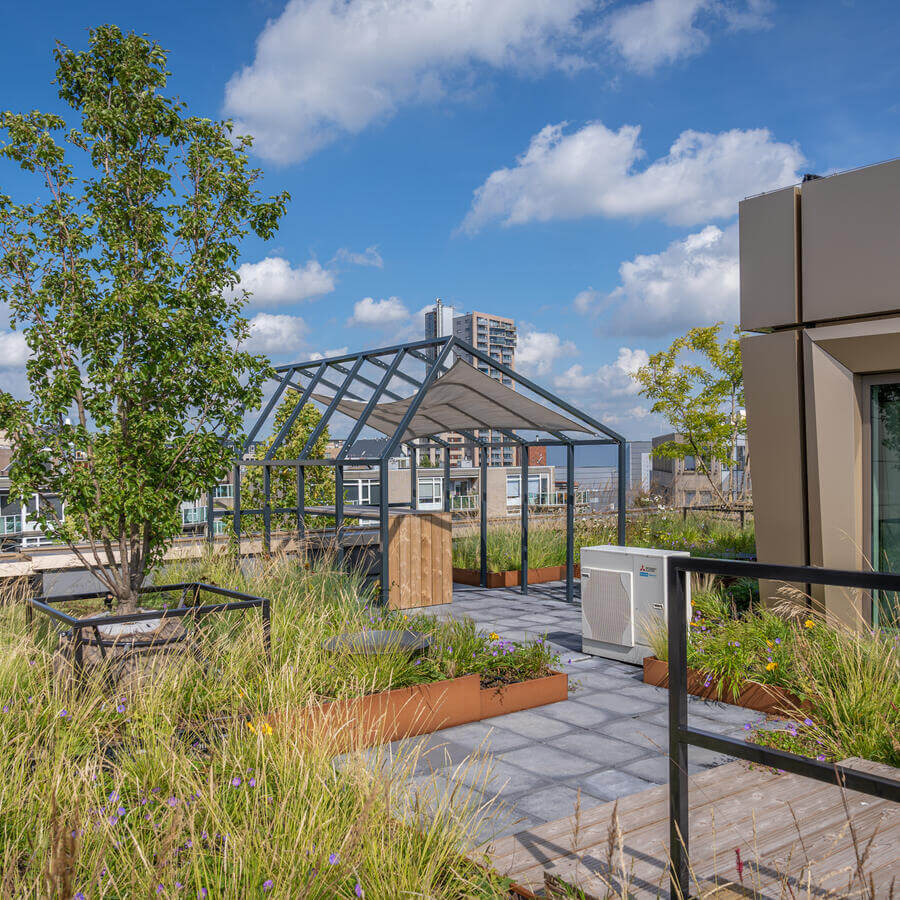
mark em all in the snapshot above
pixel 623 591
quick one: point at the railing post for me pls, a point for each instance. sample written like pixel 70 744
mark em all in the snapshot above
pixel 679 810
pixel 267 627
pixel 385 529
pixel 210 518
pixel 622 493
pixel 236 517
pixel 447 479
pixel 301 500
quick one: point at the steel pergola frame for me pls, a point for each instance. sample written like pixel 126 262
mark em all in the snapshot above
pixel 387 373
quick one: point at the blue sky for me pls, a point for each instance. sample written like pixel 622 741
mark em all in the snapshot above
pixel 573 164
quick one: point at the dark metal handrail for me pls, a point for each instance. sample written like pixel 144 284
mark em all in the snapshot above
pixel 681 736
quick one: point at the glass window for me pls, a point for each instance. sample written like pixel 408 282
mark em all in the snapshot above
pixel 690 464
pixel 886 496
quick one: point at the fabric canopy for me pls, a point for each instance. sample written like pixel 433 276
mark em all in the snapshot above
pixel 462 399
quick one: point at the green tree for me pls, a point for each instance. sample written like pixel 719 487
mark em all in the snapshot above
pixel 319 480
pixel 698 386
pixel 123 278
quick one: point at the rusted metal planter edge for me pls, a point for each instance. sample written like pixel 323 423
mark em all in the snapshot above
pixel 765 698
pixel 421 708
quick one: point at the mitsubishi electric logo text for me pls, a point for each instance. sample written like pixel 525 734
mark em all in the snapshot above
pixel 647 571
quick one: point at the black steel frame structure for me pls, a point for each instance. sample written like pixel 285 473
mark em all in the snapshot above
pixel 383 374
pixel 188 604
pixel 681 736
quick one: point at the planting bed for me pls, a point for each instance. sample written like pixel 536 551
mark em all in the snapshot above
pixel 513 577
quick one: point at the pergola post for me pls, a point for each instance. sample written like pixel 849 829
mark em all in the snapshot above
pixel 623 483
pixel 301 499
pixel 236 517
pixel 570 522
pixel 339 509
pixel 267 508
pixel 210 517
pixel 384 527
pixel 413 476
pixel 523 496
pixel 446 479
pixel 483 515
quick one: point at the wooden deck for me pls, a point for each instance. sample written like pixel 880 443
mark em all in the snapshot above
pixel 797 838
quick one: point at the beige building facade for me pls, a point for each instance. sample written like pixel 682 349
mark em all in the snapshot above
pixel 820 283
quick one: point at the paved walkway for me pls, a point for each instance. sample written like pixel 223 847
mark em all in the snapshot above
pixel 609 738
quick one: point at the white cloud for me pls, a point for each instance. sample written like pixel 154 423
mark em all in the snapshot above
pixel 610 381
pixel 647 35
pixel 274 282
pixel 275 334
pixel 536 351
pixel 378 313
pixel 337 351
pixel 369 257
pixel 13 350
pixel 694 281
pixel 592 172
pixel 324 69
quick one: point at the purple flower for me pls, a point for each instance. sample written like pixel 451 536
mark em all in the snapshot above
pixel 268 884
pixel 113 820
pixel 821 757
pixel 6 707
pixel 178 885
pixel 358 890
pixel 252 782
pixel 159 889
pixel 333 859
pixel 79 896
pixel 120 708
pixel 747 726
pixel 63 713
pixel 807 721
pixel 203 892
pixel 121 810
pixel 172 801
pixel 236 781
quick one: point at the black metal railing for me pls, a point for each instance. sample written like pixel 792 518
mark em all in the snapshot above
pixel 188 604
pixel 681 736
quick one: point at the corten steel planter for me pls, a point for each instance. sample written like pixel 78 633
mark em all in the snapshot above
pixel 84 636
pixel 765 698
pixel 513 577
pixel 420 709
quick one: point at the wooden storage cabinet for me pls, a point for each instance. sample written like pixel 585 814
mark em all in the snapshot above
pixel 420 555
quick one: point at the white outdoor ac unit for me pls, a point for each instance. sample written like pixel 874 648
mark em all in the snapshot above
pixel 623 591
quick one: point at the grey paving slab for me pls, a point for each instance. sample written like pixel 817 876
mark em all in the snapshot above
pixel 544 758
pixel 599 751
pixel 530 723
pixel 576 713
pixel 480 735
pixel 500 777
pixel 635 731
pixel 612 783
pixel 625 706
pixel 551 803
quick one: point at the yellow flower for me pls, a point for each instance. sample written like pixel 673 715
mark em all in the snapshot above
pixel 809 623
pixel 494 636
pixel 770 666
pixel 769 644
pixel 263 726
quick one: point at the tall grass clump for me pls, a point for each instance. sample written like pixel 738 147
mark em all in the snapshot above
pixel 847 679
pixel 184 785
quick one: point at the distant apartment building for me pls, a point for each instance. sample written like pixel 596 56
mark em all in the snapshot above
pixel 683 481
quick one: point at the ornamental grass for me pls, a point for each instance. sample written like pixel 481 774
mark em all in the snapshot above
pixel 183 786
pixel 701 534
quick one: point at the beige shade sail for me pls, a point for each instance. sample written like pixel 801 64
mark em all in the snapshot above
pixel 462 399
